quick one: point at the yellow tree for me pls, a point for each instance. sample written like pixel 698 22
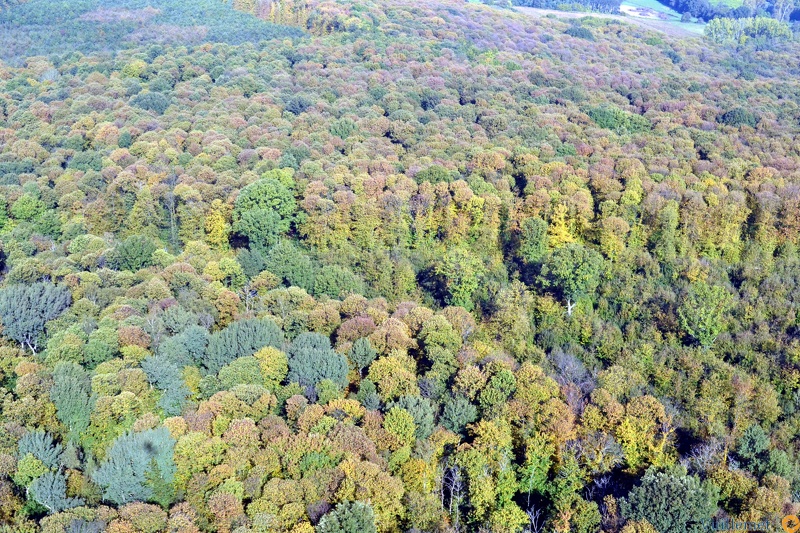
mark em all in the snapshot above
pixel 217 225
pixel 558 231
pixel 645 434
pixel 366 481
pixel 144 217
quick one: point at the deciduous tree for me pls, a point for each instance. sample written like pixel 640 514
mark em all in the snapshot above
pixel 703 312
pixel 574 270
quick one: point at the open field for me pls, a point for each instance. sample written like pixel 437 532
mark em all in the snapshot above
pixel 730 3
pixel 650 8
pixel 671 25
pixel 653 9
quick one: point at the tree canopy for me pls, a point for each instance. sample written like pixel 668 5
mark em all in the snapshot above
pixel 25 310
pixel 396 266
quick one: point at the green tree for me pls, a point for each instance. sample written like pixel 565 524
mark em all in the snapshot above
pixel 273 365
pixel 187 348
pixel 439 332
pixel 361 354
pixel 779 463
pixel 240 339
pixel 126 474
pixel 702 312
pixel 457 413
pixel 533 240
pixel 41 445
pixel 738 116
pixel 368 395
pixel 400 424
pixel 574 270
pixel 725 30
pixel 337 282
pixel 3 213
pixel 422 411
pixel 499 387
pixel 343 128
pixel 50 490
pixel 267 194
pixel 434 174
pixel 654 500
pixel 27 207
pixel 28 469
pixel 151 101
pixel 580 32
pixel 753 449
pixel 166 376
pixel 125 139
pixel 291 265
pixel 48 224
pixel 241 371
pixel 133 254
pixel 144 217
pixel 103 345
pixel 461 272
pixel 753 442
pixel 534 471
pixel 349 517
pixel 312 360
pixel 740 30
pixel 176 319
pixel 665 237
pixel 768 29
pixel 231 273
pixel 252 261
pixel 619 121
pixel 262 227
pixel 72 395
pixel 26 309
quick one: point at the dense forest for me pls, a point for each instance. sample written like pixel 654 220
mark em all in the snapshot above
pixel 384 266
pixel 600 6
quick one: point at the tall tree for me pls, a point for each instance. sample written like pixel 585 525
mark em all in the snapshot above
pixel 127 474
pixel 133 254
pixel 702 312
pixel 267 195
pixel 655 500
pixel 533 240
pixel 461 272
pixel 242 338
pixel 50 490
pixel 349 517
pixel 574 270
pixel 72 395
pixel 361 354
pixel 26 309
pixel 311 360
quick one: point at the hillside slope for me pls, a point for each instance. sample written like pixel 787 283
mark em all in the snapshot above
pixel 415 266
pixel 44 27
